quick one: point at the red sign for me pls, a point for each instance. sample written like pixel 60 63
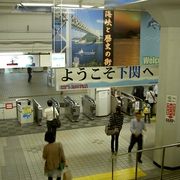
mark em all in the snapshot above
pixel 9 105
pixel 170 108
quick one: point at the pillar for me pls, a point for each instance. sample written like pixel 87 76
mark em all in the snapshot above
pixel 169 84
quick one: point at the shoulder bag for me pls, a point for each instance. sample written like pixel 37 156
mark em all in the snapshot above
pixel 153 97
pixel 56 121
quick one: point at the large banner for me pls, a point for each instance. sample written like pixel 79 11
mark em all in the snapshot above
pixel 150 40
pixel 94 77
pixel 94 37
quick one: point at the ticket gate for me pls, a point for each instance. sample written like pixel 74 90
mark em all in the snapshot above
pixel 38 112
pixel 72 109
pixel 25 113
pixel 128 103
pixel 89 107
pixel 115 102
pixel 56 104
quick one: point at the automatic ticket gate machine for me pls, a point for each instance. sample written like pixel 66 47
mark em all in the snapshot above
pixel 89 107
pixel 115 102
pixel 128 103
pixel 25 113
pixel 38 112
pixel 72 109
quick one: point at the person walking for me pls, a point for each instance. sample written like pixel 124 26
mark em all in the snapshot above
pixel 151 99
pixel 54 157
pixel 146 111
pixel 137 126
pixel 49 114
pixel 29 71
pixel 116 121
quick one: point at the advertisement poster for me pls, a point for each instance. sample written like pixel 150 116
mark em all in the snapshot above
pixel 19 61
pixel 126 38
pixel 27 113
pixel 95 37
pixel 150 40
pixel 86 35
pixel 170 108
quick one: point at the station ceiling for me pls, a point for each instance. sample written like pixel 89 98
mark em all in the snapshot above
pixel 10 5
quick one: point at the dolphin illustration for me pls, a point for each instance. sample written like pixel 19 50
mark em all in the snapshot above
pixel 154 24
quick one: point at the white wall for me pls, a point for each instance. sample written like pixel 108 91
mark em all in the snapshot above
pixel 26 31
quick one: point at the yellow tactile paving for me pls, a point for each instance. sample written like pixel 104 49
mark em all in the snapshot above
pixel 124 174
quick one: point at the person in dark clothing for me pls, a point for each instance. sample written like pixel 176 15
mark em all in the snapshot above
pixel 138 92
pixel 29 71
pixel 116 121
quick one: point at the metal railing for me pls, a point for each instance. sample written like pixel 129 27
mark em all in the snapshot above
pixel 143 150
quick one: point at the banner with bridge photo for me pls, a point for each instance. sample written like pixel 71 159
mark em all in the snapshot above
pixel 96 37
pixel 111 76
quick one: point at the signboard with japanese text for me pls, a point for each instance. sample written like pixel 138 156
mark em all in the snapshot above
pixel 170 108
pixel 109 76
pixel 108 37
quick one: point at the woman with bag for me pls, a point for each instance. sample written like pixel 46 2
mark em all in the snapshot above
pixel 54 157
pixel 151 99
pixel 116 121
pixel 50 113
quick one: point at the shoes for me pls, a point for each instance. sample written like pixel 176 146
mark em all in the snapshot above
pixel 140 161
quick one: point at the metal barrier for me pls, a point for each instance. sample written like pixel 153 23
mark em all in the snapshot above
pixel 148 149
pixel 38 112
pixel 56 104
pixel 72 109
pixel 89 107
pixel 115 101
pixel 128 103
pixel 139 104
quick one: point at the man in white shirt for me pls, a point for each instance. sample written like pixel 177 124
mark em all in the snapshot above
pixel 49 114
pixel 136 127
pixel 151 99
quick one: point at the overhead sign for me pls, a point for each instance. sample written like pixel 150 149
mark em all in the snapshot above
pixel 58 60
pixel 109 76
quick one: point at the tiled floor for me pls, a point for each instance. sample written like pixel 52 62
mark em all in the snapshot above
pixel 87 148
pixel 87 151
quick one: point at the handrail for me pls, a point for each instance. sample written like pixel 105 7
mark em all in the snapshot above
pixel 148 149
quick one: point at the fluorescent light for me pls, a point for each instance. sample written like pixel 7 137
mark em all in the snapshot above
pixel 69 5
pixel 86 6
pixel 74 6
pixel 138 1
pixel 36 4
pixel 101 7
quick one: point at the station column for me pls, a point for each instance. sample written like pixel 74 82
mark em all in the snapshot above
pixel 168 106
